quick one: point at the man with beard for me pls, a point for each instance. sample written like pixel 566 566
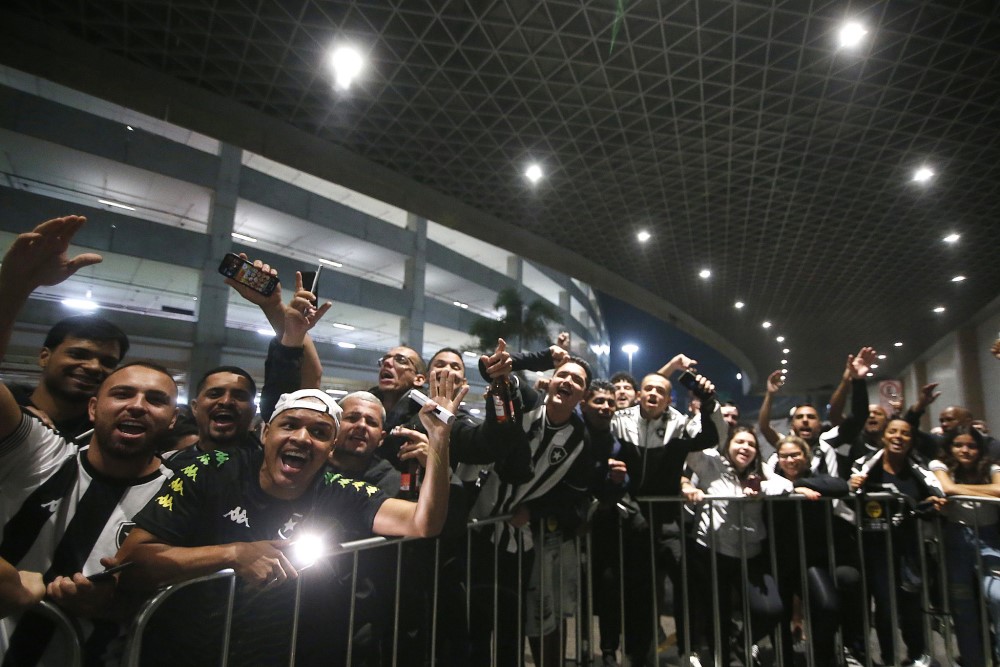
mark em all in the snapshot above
pixel 67 508
pixel 78 353
pixel 928 445
pixel 625 395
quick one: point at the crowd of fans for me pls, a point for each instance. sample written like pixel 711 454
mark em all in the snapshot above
pixel 108 492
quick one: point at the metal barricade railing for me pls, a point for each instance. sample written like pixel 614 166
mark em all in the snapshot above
pixel 698 584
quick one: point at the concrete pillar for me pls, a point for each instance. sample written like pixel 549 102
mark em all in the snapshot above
pixel 970 376
pixel 213 296
pixel 411 327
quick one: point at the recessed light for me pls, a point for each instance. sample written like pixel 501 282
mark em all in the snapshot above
pixel 243 237
pixel 939 309
pixel 851 34
pixel 952 238
pixel 780 339
pixel 533 173
pixel 923 174
pixel 897 344
pixel 738 305
pixel 346 63
pixel 881 356
pixel 874 365
pixel 765 324
pixel 116 204
pixel 870 374
pixel 784 361
pixel 785 351
pixel 704 273
pixel 958 279
pixel 643 236
pixel 470 354
pixel 739 376
pixel 341 325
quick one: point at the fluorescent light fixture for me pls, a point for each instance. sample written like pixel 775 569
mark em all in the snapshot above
pixel 766 324
pixel 117 204
pixel 643 236
pixel 470 354
pixel 330 262
pixel 460 304
pixel 80 304
pixel 897 344
pixel 704 273
pixel 266 332
pixel 952 238
pixel 739 376
pixel 474 411
pixel 243 237
pixel 738 305
pixel 341 325
pixel 923 174
pixel 958 279
pixel 780 339
pixel 533 173
pixel 939 309
pixel 346 346
pixel 881 356
pixel 347 64
pixel 851 34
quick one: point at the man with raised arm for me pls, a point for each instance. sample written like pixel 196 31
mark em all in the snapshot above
pixel 66 508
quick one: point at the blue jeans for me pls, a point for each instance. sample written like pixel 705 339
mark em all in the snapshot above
pixel 965 586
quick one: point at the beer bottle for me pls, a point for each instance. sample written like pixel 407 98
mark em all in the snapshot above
pixel 501 400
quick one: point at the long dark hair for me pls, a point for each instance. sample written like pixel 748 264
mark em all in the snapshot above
pixel 980 473
pixel 754 466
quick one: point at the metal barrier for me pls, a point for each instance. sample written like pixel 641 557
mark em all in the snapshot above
pixel 903 567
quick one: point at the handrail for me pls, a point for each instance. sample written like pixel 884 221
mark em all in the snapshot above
pixel 68 625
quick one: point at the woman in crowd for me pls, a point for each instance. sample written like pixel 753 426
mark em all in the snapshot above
pixel 964 470
pixel 793 464
pixel 892 469
pixel 735 530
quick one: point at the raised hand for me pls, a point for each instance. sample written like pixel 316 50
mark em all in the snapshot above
pixel 927 396
pixel 300 314
pixel 680 362
pixel 39 257
pixel 861 363
pixel 775 381
pixel 499 363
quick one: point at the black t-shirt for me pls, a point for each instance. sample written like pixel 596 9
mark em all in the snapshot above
pixel 217 499
pixel 71 429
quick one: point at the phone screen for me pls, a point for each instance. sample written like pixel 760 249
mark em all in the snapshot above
pixel 235 267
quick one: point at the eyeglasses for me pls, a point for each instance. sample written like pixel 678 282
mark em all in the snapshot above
pixel 794 455
pixel 398 359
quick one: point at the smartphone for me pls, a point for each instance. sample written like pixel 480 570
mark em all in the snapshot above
pixel 235 267
pixel 689 381
pixel 310 280
pixel 108 573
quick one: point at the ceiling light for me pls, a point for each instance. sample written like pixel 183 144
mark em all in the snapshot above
pixel 533 173
pixel 129 128
pixel 474 411
pixel 739 376
pixel 874 365
pixel 738 305
pixel 643 236
pixel 881 356
pixel 346 63
pixel 704 273
pixel 939 309
pixel 341 325
pixel 780 339
pixel 80 304
pixel 469 353
pixel 851 34
pixel 266 332
pixel 952 238
pixel 785 351
pixel 765 324
pixel 923 174
pixel 116 204
pixel 330 262
pixel 870 374
pixel 897 344
pixel 347 346
pixel 958 279
pixel 630 348
pixel 244 237
pixel 784 362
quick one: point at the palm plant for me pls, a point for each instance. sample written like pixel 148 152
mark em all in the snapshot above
pixel 521 324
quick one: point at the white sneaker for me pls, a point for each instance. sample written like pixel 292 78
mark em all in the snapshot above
pixel 922 661
pixel 694 660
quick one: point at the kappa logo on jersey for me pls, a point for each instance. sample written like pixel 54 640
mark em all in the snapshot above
pixel 238 515
pixel 124 528
pixel 52 506
pixel 557 454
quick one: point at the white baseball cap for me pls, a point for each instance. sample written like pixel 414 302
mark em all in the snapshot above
pixel 310 399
